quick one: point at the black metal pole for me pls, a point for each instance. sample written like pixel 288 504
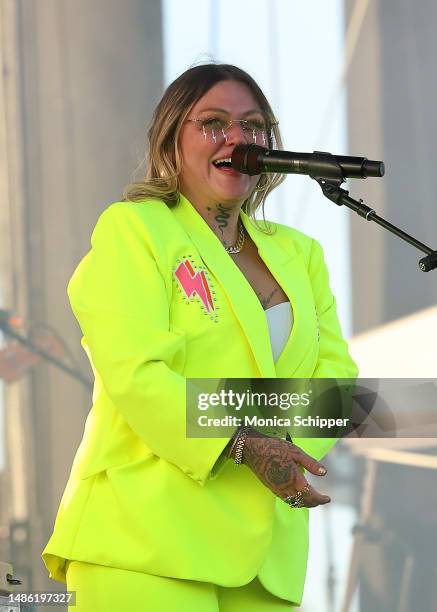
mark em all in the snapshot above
pixel 339 196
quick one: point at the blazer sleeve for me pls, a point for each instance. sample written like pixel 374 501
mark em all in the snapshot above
pixel 122 304
pixel 334 360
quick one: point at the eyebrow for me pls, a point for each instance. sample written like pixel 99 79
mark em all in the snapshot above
pixel 252 111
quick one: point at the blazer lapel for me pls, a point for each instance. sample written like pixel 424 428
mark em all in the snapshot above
pixel 288 267
pixel 285 265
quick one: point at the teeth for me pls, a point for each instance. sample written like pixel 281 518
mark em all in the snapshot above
pixel 222 161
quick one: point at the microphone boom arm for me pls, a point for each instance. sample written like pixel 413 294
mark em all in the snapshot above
pixel 331 189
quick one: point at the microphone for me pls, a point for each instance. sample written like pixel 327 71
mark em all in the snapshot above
pixel 253 159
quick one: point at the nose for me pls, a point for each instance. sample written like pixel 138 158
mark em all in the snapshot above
pixel 235 134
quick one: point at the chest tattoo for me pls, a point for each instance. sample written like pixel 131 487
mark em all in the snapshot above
pixel 265 301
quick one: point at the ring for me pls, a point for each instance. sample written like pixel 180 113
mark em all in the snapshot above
pixel 296 501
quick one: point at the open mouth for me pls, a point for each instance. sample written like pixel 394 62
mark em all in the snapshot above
pixel 222 163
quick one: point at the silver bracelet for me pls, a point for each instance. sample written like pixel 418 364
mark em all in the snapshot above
pixel 239 446
pixel 234 441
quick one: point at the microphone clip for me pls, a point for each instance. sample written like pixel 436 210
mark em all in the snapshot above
pixel 326 168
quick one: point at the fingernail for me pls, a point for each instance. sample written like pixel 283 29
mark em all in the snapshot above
pixel 321 471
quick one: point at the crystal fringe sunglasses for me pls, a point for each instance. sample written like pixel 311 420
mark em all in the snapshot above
pixel 254 130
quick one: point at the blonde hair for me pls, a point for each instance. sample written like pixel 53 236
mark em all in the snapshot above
pixel 163 160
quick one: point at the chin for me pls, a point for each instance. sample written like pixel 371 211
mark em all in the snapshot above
pixel 233 194
pixel 234 198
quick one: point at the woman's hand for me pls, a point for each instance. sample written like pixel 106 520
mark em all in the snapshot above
pixel 277 464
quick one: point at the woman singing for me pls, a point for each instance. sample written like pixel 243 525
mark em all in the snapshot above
pixel 182 283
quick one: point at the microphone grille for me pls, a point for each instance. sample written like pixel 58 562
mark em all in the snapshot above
pixel 245 159
pixel 239 158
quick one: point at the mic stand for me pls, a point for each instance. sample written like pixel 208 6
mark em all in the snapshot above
pixel 330 186
pixel 39 351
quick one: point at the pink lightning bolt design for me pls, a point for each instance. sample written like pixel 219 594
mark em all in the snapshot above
pixel 194 282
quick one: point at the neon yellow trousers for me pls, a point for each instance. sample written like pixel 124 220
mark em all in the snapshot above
pixel 107 589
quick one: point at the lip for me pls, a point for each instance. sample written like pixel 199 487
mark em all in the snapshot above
pixel 227 170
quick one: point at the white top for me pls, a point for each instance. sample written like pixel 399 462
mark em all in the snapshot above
pixel 280 322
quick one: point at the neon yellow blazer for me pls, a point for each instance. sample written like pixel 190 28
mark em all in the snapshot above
pixel 159 300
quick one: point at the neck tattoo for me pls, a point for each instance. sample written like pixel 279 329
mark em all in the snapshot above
pixel 222 217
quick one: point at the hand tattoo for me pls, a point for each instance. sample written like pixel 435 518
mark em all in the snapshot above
pixel 266 457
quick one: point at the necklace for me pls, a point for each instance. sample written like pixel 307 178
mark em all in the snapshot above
pixel 237 247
